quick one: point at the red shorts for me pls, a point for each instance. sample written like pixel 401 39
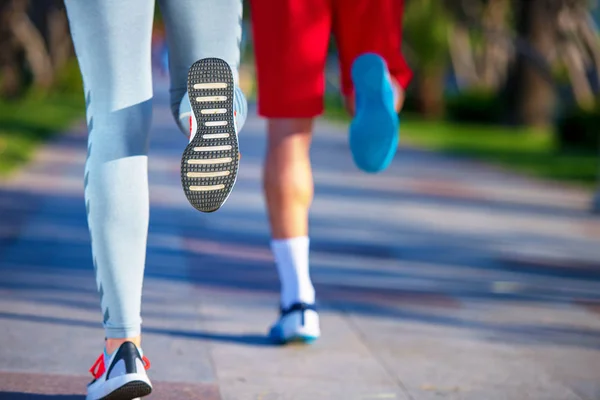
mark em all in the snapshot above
pixel 291 38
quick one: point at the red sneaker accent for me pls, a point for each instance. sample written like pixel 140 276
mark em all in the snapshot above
pixel 146 363
pixel 98 368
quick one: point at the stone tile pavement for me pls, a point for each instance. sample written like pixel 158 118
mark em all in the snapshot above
pixel 439 278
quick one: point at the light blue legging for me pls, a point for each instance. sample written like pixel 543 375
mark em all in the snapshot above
pixel 112 41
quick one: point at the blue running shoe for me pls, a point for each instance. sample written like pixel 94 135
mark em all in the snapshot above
pixel 374 129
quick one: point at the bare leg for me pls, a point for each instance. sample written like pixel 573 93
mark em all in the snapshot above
pixel 288 181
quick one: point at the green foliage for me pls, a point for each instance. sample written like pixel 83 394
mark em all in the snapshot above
pixel 36 116
pixel 28 122
pixel 579 129
pixel 426 25
pixel 475 105
pixel 530 151
pixel 68 79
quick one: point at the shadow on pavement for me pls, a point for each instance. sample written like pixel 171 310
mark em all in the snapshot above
pixel 419 283
pixel 35 396
pixel 250 339
pixel 396 269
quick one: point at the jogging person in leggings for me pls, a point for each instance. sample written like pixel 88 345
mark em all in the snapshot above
pixel 291 39
pixel 112 40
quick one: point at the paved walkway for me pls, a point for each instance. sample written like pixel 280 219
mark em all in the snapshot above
pixel 438 279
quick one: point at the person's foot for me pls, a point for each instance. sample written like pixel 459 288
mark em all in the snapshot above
pixel 297 323
pixel 217 109
pixel 374 128
pixel 120 376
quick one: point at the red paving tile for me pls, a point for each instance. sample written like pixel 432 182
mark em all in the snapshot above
pixel 591 229
pixel 231 251
pixel 451 189
pixel 26 386
pixel 386 297
pixel 551 263
pixel 590 305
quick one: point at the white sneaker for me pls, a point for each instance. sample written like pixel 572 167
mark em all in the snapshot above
pixel 122 376
pixel 209 163
pixel 297 323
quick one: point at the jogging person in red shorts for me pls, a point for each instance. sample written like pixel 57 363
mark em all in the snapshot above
pixel 291 38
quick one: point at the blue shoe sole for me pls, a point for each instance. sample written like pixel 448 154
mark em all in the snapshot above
pixel 276 336
pixel 374 129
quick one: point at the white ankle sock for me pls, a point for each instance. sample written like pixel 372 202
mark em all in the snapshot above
pixel 291 257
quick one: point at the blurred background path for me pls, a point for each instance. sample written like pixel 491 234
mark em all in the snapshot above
pixel 437 279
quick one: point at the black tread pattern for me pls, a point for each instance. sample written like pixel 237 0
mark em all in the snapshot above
pixel 129 391
pixel 210 70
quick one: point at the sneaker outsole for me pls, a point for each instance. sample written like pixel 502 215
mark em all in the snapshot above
pixel 296 340
pixel 209 163
pixel 276 336
pixel 374 129
pixel 129 391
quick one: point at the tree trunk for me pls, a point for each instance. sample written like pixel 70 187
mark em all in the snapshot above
pixel 10 56
pixel 461 55
pixel 531 94
pixel 59 38
pixel 495 54
pixel 578 76
pixel 32 42
pixel 574 54
pixel 430 92
pixel 11 80
pixel 589 33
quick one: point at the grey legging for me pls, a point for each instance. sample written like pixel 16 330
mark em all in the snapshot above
pixel 112 41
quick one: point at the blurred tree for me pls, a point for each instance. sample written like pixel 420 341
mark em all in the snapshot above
pixel 578 47
pixel 426 25
pixel 530 94
pixel 50 18
pixel 11 56
pixel 35 41
pixel 496 53
pixel 563 33
pixel 479 42
pixel 530 40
